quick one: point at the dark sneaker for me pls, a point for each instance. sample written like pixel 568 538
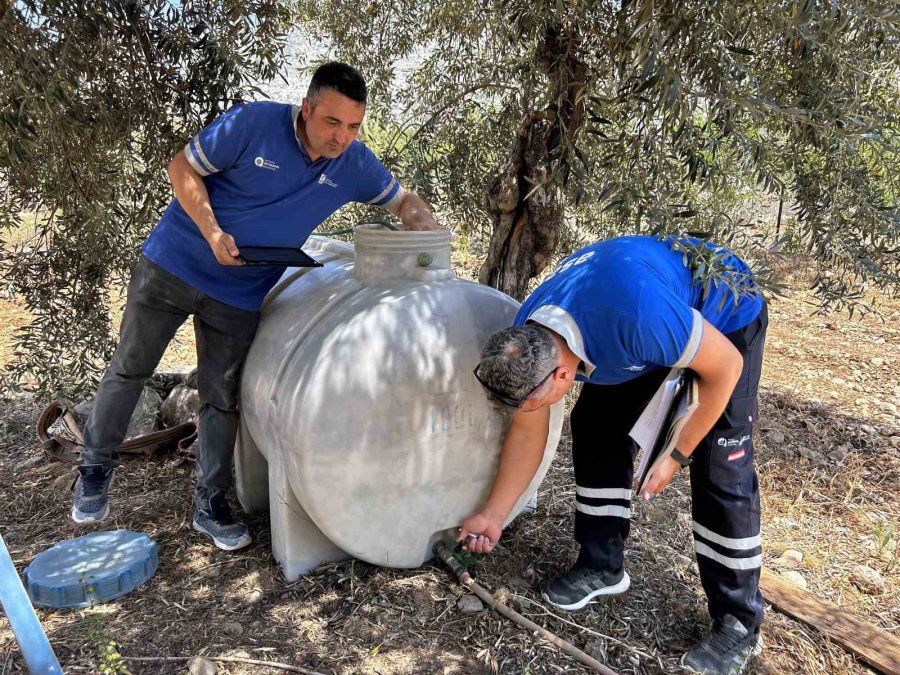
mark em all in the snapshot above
pixel 218 523
pixel 726 650
pixel 91 503
pixel 576 588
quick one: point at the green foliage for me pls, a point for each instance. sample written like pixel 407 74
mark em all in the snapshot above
pixel 700 117
pixel 692 108
pixel 451 122
pixel 95 99
pixel 109 660
pixel 883 533
pixel 710 270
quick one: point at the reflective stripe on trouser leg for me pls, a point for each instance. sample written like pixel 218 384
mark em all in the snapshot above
pixel 725 496
pixel 727 543
pixel 604 456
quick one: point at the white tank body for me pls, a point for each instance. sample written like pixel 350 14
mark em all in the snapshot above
pixel 363 428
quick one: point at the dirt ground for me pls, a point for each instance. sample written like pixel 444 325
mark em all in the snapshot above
pixel 828 457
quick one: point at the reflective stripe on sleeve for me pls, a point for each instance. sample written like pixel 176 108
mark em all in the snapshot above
pixel 384 193
pixel 193 161
pixel 195 153
pixel 693 343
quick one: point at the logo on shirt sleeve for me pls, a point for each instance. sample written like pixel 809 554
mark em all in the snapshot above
pixel 264 163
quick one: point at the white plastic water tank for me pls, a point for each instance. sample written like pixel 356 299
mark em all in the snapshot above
pixel 363 429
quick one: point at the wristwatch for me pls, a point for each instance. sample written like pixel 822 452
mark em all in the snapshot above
pixel 681 459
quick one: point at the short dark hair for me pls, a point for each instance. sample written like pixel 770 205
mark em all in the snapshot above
pixel 339 77
pixel 516 359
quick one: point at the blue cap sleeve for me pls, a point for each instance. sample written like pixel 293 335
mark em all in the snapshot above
pixel 376 185
pixel 219 145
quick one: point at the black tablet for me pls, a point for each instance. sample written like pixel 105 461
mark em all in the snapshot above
pixel 276 256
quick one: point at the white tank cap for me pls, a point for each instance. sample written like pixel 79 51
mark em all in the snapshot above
pixel 383 254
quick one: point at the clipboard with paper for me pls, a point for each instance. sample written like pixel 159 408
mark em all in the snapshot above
pixel 657 430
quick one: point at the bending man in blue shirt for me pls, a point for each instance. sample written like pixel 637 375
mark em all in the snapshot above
pixel 618 315
pixel 262 174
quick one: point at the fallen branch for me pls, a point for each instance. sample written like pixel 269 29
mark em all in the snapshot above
pixel 227 659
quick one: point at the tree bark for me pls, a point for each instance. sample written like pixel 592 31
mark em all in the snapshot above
pixel 526 198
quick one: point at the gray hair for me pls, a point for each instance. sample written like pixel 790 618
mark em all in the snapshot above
pixel 514 360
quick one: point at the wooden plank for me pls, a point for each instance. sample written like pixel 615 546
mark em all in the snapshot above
pixel 876 647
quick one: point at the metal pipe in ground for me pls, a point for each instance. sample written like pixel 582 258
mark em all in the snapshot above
pixel 36 649
pixel 443 552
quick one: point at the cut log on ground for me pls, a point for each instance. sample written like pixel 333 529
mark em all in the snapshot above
pixel 876 647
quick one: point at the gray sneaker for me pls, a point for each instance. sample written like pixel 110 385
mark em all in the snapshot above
pixel 218 523
pixel 726 650
pixel 577 587
pixel 91 502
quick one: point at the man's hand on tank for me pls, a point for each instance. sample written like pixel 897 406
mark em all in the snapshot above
pixel 480 533
pixel 224 248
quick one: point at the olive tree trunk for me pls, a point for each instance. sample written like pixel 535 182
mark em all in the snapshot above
pixel 526 198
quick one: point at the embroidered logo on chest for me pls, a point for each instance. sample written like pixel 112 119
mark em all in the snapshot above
pixel 325 180
pixel 264 163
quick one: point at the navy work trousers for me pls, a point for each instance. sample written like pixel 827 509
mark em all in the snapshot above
pixel 724 487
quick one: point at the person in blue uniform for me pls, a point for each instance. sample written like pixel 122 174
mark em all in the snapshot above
pixel 619 315
pixel 261 174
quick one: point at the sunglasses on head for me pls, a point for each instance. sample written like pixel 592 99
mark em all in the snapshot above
pixel 506 398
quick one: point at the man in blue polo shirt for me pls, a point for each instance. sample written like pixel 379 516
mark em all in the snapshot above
pixel 619 315
pixel 262 174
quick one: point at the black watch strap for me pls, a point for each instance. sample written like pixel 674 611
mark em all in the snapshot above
pixel 681 459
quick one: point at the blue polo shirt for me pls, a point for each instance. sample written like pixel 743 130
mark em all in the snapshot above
pixel 264 191
pixel 629 305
